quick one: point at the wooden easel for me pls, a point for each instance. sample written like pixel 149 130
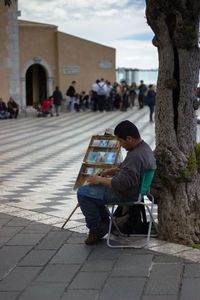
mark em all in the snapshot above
pixel 93 146
pixel 73 211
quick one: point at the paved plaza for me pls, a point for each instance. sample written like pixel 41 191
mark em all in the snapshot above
pixel 40 159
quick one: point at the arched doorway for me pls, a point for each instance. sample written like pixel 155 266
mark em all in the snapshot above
pixel 36 85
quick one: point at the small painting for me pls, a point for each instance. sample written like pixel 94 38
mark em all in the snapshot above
pixel 92 157
pixel 110 157
pixel 112 143
pixel 101 156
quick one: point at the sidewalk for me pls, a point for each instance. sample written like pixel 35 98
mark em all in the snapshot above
pixel 40 160
pixel 43 262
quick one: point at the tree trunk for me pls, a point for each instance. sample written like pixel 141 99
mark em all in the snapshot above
pixel 177 181
pixel 9 2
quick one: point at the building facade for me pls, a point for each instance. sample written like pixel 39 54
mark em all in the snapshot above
pixel 35 57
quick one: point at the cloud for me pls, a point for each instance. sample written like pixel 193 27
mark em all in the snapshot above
pixel 144 36
pixel 136 54
pixel 120 24
pixel 85 7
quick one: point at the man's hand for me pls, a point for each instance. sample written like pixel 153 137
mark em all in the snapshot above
pixel 95 179
pixel 107 172
pixel 103 173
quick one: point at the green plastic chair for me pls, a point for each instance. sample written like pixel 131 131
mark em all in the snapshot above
pixel 144 191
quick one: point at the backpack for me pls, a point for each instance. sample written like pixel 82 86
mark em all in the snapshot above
pixel 131 219
pixel 70 92
pixel 101 91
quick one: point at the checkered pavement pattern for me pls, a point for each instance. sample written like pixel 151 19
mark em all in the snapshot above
pixel 40 159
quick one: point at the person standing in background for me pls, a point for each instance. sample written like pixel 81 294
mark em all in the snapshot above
pixel 57 98
pixel 142 91
pixel 132 94
pixel 115 95
pixel 124 92
pixel 109 104
pixel 150 100
pixel 95 88
pixel 71 92
pixel 101 95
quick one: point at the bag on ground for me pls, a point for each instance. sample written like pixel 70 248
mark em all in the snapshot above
pixel 131 219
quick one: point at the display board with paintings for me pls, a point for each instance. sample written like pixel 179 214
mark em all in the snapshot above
pixel 102 154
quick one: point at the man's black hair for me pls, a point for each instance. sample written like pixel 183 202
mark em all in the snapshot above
pixel 126 128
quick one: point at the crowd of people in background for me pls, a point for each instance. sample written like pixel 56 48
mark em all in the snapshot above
pixel 103 96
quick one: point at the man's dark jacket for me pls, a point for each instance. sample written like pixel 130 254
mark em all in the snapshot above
pixel 3 107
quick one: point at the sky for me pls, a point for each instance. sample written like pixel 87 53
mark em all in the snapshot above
pixel 120 24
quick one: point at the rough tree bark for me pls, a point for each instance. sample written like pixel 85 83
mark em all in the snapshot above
pixel 177 181
pixel 9 2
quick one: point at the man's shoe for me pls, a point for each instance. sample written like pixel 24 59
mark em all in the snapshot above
pixel 93 237
pixel 96 234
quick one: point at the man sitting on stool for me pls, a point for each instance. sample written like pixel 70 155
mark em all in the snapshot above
pixel 124 185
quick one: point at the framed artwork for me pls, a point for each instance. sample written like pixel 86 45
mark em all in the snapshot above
pixel 112 143
pixel 94 170
pixel 87 170
pixel 110 157
pixel 100 143
pixel 102 153
pixel 92 156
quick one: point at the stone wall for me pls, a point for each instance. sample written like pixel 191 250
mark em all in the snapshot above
pixel 12 61
pixel 9 49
